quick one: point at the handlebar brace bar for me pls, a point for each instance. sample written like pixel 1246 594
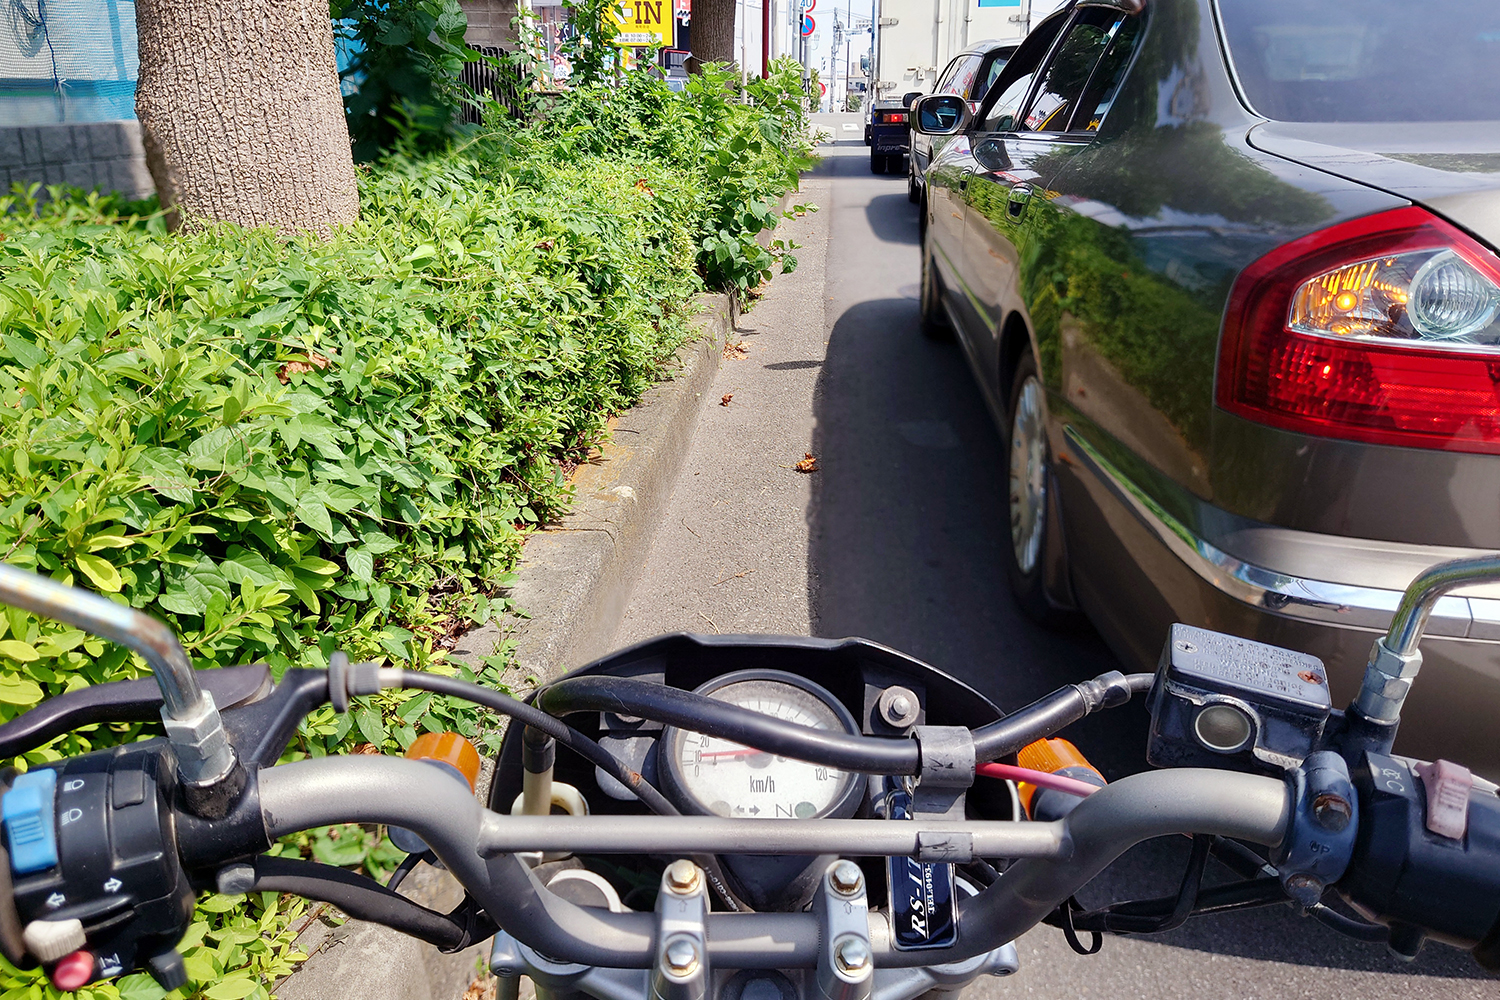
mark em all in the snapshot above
pixel 1058 858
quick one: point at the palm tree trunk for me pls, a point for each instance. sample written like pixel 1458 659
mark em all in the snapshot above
pixel 241 113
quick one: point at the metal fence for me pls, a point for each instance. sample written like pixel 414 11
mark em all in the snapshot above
pixel 507 86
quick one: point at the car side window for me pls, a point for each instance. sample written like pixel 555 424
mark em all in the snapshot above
pixel 1066 76
pixel 989 72
pixel 1002 103
pixel 963 78
pixel 946 80
pixel 1108 75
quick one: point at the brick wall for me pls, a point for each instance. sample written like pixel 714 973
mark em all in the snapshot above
pixel 490 22
pixel 94 155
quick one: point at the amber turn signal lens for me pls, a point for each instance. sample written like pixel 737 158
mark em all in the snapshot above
pixel 450 749
pixel 1056 756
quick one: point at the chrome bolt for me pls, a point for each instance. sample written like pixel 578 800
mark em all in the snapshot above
pixel 851 954
pixel 1332 812
pixel 682 877
pixel 1185 646
pixel 899 706
pixel 845 877
pixel 681 956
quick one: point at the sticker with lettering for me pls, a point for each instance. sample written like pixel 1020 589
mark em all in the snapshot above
pixel 921 894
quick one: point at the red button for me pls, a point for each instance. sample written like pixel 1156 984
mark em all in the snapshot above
pixel 73 971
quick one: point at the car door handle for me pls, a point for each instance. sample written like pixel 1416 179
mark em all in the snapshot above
pixel 1020 197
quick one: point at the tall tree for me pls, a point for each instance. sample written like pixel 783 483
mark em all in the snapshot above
pixel 241 113
pixel 713 30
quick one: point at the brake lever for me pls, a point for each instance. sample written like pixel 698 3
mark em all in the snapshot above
pixel 124 701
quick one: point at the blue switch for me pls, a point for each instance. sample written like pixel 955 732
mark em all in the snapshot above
pixel 30 816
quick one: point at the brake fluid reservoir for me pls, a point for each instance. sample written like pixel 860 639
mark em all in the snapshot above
pixel 1055 756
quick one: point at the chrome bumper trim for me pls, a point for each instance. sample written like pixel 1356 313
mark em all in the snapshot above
pixel 1319 601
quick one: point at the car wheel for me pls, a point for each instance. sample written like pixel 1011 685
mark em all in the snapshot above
pixel 934 320
pixel 1027 482
pixel 913 191
pixel 877 163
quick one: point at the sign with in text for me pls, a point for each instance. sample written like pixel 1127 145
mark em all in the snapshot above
pixel 643 22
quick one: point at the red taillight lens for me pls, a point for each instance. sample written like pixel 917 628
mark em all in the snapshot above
pixel 1318 340
pixel 896 119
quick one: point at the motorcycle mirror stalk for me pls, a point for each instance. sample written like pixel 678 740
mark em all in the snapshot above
pixel 210 773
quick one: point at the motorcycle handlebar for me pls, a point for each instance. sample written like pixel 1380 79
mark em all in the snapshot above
pixel 472 842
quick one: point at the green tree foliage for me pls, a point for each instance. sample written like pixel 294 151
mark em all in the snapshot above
pixel 408 54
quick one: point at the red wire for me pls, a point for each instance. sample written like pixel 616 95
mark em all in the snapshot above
pixel 1041 779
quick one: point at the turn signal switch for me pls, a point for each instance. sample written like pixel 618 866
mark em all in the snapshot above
pixel 91 867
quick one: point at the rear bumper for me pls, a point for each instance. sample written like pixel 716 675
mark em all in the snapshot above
pixel 889 139
pixel 1454 707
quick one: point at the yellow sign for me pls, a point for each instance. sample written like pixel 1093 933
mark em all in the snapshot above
pixel 643 22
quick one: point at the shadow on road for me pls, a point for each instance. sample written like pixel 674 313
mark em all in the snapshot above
pixel 893 219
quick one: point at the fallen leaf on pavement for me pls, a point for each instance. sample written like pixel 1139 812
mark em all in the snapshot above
pixel 727 397
pixel 736 350
pixel 482 988
pixel 808 463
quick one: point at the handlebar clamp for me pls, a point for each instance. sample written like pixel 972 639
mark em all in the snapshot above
pixel 1325 821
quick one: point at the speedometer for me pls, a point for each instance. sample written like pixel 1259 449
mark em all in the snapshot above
pixel 712 776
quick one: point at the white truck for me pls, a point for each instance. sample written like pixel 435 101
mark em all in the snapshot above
pixel 916 39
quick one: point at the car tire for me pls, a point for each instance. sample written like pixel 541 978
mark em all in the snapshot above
pixel 913 191
pixel 935 325
pixel 877 163
pixel 1027 483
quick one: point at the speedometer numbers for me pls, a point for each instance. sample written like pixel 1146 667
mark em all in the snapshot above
pixel 723 778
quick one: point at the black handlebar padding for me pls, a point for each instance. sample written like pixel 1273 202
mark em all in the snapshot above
pixel 122 701
pixel 362 898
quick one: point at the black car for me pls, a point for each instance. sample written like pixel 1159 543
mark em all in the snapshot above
pixel 969 76
pixel 1226 272
pixel 889 134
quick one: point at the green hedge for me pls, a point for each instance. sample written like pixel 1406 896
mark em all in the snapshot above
pixel 285 447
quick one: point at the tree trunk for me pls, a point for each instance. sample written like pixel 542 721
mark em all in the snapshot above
pixel 713 31
pixel 241 113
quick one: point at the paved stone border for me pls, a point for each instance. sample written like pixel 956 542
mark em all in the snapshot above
pixel 89 155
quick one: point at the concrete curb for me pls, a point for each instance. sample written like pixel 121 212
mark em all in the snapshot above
pixel 575 578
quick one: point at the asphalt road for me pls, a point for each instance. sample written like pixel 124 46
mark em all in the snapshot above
pixel 897 537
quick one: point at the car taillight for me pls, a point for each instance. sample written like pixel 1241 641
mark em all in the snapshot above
pixel 1380 329
pixel 895 119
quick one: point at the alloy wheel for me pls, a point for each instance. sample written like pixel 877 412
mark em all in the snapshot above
pixel 1028 476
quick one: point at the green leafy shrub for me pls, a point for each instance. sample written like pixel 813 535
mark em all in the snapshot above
pixel 286 447
pixel 406 59
pixel 741 157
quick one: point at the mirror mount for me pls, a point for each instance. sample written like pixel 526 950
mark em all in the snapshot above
pixel 940 114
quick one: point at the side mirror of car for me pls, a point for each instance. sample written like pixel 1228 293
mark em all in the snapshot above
pixel 940 114
pixel 909 98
